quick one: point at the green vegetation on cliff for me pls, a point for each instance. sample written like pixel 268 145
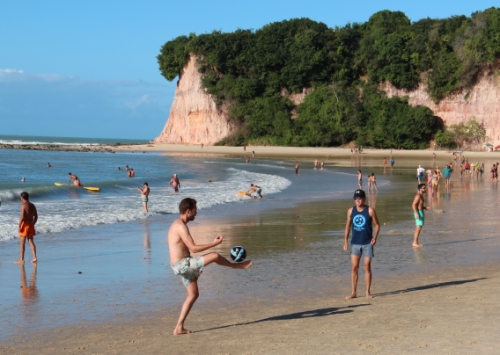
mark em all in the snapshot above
pixel 253 71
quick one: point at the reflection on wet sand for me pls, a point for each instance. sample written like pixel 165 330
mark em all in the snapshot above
pixel 146 241
pixel 29 294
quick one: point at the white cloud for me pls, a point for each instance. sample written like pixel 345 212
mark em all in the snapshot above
pixel 8 71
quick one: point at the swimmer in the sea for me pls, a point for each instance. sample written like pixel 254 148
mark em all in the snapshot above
pixel 175 183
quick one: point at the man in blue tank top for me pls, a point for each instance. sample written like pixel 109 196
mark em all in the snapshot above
pixel 360 218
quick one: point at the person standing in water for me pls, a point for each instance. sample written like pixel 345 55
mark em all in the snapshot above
pixel 189 268
pixel 418 211
pixel 361 218
pixel 297 168
pixel 175 183
pixel 144 195
pixel 27 221
pixel 360 180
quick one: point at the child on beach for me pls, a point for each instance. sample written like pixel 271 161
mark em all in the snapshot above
pixel 181 245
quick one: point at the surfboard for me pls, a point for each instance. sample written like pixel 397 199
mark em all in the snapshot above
pixel 241 193
pixel 88 188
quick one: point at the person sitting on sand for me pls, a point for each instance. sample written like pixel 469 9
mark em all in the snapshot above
pixel 27 221
pixel 189 268
pixel 360 218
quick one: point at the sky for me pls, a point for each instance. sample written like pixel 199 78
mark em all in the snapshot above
pixel 88 68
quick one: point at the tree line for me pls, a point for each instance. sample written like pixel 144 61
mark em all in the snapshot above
pixel 252 71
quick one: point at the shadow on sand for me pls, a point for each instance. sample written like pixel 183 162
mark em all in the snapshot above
pixel 322 312
pixel 427 287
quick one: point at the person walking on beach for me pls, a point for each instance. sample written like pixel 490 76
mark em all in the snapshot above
pixel 418 210
pixel 447 175
pixel 297 168
pixel 374 182
pixel 144 195
pixel 175 183
pixel 392 163
pixel 420 174
pixel 360 180
pixel 181 245
pixel 27 221
pixel 361 218
pixel 385 163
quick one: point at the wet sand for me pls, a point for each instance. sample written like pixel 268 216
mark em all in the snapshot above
pixel 440 299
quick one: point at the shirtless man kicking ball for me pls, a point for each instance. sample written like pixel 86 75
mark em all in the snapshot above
pixel 188 267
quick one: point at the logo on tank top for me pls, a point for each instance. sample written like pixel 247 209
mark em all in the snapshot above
pixel 359 222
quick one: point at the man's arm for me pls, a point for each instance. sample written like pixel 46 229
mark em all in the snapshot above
pixel 22 216
pixel 193 248
pixel 347 228
pixel 375 221
pixel 35 214
pixel 414 205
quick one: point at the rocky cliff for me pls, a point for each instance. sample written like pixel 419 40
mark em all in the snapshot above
pixel 196 119
pixel 194 116
pixel 481 102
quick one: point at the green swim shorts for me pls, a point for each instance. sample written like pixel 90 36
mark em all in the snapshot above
pixel 419 222
pixel 188 268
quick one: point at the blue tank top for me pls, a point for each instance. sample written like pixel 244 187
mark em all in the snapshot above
pixel 362 232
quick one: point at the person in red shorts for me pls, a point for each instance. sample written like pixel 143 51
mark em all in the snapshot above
pixel 27 221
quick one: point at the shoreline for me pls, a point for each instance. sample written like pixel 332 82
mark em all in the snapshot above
pixel 260 151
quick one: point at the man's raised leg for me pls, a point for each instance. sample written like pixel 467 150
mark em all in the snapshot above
pixel 368 276
pixel 354 275
pixel 22 248
pixel 220 260
pixel 192 296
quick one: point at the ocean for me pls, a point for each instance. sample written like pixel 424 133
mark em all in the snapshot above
pixel 101 258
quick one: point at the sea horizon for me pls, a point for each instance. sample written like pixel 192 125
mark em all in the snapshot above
pixel 67 140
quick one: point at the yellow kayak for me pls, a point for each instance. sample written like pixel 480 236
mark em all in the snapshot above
pixel 95 189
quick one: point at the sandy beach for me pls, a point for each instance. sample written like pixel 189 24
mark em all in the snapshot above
pixel 452 311
pixel 440 299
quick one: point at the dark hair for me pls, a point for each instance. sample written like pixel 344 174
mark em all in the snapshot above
pixel 187 204
pixel 146 184
pixel 251 184
pixel 420 186
pixel 70 174
pixel 25 195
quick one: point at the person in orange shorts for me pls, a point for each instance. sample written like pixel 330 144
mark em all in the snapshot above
pixel 27 221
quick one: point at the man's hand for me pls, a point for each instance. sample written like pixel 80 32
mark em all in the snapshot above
pixel 218 240
pixel 428 208
pixel 374 240
pixel 345 245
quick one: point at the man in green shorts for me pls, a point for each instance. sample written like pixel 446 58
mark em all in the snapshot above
pixel 418 212
pixel 144 195
pixel 188 267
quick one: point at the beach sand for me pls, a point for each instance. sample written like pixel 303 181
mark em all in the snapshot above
pixel 431 309
pixel 452 311
pixel 299 152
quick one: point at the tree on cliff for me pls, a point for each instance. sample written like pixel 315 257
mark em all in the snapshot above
pixel 251 70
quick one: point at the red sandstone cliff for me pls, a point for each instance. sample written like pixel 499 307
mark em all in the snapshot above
pixel 481 102
pixel 194 116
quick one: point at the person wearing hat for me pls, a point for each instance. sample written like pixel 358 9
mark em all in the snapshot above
pixel 175 183
pixel 361 218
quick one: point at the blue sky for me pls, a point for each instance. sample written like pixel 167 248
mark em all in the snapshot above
pixel 88 68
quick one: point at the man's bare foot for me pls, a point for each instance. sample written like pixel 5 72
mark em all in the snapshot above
pixel 351 296
pixel 34 260
pixel 243 265
pixel 20 262
pixel 369 295
pixel 417 245
pixel 181 331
